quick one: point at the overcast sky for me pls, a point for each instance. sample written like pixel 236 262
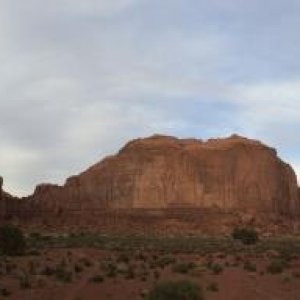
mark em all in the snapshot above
pixel 80 78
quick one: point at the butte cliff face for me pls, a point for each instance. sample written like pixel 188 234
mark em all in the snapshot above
pixel 9 204
pixel 159 172
pixel 2 207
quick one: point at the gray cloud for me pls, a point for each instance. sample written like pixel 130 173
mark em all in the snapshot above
pixel 80 78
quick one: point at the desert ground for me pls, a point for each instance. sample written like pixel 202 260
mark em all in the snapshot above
pixel 85 266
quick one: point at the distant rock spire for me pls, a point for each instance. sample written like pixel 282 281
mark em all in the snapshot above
pixel 1 184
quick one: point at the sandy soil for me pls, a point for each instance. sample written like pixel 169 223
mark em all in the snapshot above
pixel 26 279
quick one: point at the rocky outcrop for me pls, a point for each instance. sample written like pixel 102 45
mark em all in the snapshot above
pixel 12 207
pixel 1 187
pixel 163 172
pixel 2 206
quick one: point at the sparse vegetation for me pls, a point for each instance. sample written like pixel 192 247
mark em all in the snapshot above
pixel 296 274
pixel 183 267
pixel 12 241
pixel 165 261
pixel 78 268
pixel 176 290
pixel 212 287
pixel 249 266
pixel 248 236
pixel 276 266
pixel 143 260
pixel 130 274
pixel 24 281
pixel 4 292
pixel 216 268
pixel 62 274
pixel 110 269
pixel 96 279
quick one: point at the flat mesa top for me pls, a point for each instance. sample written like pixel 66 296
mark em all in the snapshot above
pixel 188 143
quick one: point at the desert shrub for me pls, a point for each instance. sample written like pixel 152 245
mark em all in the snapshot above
pixel 296 274
pixel 110 269
pixel 216 268
pixel 183 267
pixel 164 261
pixel 249 266
pixel 12 241
pixel 276 266
pixel 143 278
pixel 176 290
pixel 34 252
pixel 86 262
pixel 78 268
pixel 4 292
pixel 286 279
pixel 62 274
pixel 130 274
pixel 212 287
pixel 144 293
pixel 248 236
pixel 47 271
pixel 286 255
pixel 24 281
pixel 35 235
pixel 40 282
pixel 9 267
pixel 96 279
pixel 123 257
pixel 154 256
pixel 222 255
pixel 156 274
pixel 140 256
pixel 32 266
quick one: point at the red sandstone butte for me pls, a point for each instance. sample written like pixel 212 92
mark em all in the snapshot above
pixel 160 172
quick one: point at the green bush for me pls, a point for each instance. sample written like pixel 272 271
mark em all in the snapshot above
pixel 176 290
pixel 12 241
pixel 247 236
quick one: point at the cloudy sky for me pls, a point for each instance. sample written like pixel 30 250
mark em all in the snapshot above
pixel 80 78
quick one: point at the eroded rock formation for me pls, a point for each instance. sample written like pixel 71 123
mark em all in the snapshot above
pixel 2 207
pixel 158 172
pixel 13 208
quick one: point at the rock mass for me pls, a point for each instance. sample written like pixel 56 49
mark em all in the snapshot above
pixel 162 172
pixel 162 184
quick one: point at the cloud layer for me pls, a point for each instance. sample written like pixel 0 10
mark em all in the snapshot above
pixel 80 78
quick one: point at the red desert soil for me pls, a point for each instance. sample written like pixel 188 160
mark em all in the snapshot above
pixel 234 283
